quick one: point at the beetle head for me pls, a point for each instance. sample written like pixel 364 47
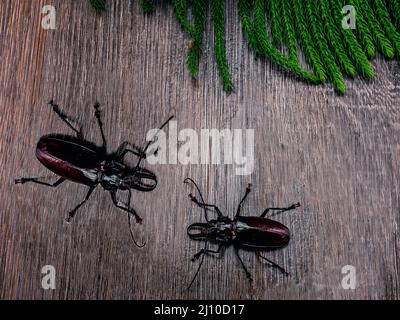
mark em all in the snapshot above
pixel 198 231
pixel 218 230
pixel 140 179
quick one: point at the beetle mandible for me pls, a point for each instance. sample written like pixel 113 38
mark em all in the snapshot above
pixel 81 161
pixel 256 233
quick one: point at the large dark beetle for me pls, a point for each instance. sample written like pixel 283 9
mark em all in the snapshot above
pixel 78 160
pixel 254 233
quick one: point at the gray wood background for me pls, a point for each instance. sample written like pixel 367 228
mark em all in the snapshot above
pixel 337 155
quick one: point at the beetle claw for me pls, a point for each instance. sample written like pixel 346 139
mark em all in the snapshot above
pixel 197 256
pixel 97 112
pixel 54 106
pixel 138 219
pixel 249 277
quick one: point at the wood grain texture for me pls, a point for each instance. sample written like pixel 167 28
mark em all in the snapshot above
pixel 337 155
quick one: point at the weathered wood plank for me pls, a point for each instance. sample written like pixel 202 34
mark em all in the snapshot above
pixel 336 155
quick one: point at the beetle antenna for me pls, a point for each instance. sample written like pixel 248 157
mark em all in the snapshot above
pixel 187 180
pixel 132 236
pixel 130 224
pixel 152 140
pixel 97 114
pixel 200 265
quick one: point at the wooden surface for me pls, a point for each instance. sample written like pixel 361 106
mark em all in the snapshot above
pixel 337 155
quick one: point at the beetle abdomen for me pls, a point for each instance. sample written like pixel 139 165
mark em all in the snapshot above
pixel 257 232
pixel 68 159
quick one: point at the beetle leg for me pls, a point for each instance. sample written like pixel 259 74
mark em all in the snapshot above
pixel 123 206
pixel 97 114
pixel 36 180
pixel 129 223
pixel 71 214
pixel 205 251
pixel 65 118
pixel 205 205
pixel 248 189
pixel 273 264
pixel 248 275
pixel 292 207
pixel 126 147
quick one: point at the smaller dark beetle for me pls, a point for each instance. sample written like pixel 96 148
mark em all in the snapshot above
pixel 78 160
pixel 250 233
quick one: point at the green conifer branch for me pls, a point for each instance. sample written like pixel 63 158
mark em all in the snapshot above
pixel 394 9
pixel 147 5
pixel 199 17
pixel 275 20
pixel 335 42
pixel 352 46
pixel 313 26
pixel 98 5
pixel 270 52
pixel 244 9
pixel 288 31
pixel 382 43
pixel 306 40
pixel 180 9
pixel 362 30
pixel 314 13
pixel 390 30
pixel 218 17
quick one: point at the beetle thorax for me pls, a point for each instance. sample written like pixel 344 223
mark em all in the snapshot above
pixel 221 231
pixel 110 176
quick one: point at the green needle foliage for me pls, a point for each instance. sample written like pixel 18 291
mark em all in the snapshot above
pixel 98 5
pixel 199 17
pixel 147 5
pixel 279 30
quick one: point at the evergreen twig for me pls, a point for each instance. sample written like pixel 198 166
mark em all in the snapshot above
pixel 378 34
pixel 390 30
pixel 180 9
pixel 244 8
pixel 218 17
pixel 98 5
pixel 274 20
pixel 270 52
pixel 288 31
pixel 333 36
pixel 313 26
pixel 306 40
pixel 199 16
pixel 352 46
pixel 147 5
pixel 333 72
pixel 362 30
pixel 394 9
